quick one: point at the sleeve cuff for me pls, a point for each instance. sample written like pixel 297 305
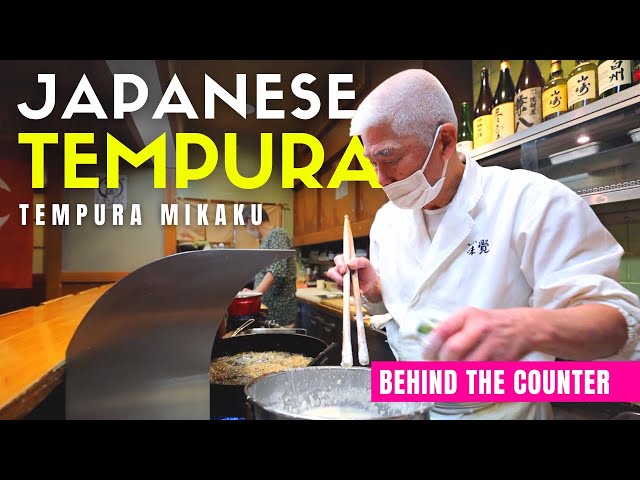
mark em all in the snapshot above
pixel 373 308
pixel 631 349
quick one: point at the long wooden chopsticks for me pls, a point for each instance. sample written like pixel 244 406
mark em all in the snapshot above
pixel 351 276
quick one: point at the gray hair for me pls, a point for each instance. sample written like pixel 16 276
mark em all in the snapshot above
pixel 412 102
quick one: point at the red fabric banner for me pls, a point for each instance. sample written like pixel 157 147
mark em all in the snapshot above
pixel 16 240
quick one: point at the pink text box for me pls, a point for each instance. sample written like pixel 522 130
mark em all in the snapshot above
pixel 505 381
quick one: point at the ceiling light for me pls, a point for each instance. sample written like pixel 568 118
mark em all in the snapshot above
pixel 583 139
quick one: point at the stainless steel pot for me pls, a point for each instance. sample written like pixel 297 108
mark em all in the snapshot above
pixel 317 393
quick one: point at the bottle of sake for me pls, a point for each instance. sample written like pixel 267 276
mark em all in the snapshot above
pixel 582 84
pixel 554 93
pixel 613 76
pixel 465 135
pixel 482 119
pixel 503 111
pixel 528 99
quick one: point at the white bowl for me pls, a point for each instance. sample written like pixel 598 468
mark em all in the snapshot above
pixel 634 134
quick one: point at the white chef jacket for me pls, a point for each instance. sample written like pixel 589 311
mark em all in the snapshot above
pixel 510 238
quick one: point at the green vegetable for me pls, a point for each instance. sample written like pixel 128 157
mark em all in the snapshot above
pixel 424 328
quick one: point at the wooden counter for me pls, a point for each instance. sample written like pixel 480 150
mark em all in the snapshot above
pixel 335 304
pixel 33 344
pixel 330 305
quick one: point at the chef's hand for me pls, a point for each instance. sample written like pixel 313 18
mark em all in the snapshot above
pixel 367 276
pixel 475 334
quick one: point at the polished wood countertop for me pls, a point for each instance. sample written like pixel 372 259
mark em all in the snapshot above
pixel 33 345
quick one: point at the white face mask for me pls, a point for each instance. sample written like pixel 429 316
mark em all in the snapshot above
pixel 415 191
pixel 253 232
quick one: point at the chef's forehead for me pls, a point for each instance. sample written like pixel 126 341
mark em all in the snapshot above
pixel 389 145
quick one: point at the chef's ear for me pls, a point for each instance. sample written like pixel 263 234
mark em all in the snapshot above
pixel 449 139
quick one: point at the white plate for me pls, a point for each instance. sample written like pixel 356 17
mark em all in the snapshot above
pixel 248 294
pixel 574 178
pixel 577 152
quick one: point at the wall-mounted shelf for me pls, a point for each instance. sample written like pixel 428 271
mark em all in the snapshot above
pixel 609 173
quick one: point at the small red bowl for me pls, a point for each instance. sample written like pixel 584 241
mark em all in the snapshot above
pixel 245 303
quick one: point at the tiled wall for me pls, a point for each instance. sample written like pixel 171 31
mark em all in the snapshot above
pixel 628 235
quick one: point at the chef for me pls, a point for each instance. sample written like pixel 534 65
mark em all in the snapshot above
pixel 507 264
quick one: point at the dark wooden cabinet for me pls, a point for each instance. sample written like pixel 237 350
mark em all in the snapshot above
pixel 369 201
pixel 306 218
pixel 327 326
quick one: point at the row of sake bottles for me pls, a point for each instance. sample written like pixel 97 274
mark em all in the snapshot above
pixel 533 100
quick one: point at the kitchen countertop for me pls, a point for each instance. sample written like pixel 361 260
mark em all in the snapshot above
pixel 33 345
pixel 316 297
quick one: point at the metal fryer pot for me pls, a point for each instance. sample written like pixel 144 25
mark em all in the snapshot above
pixel 230 400
pixel 288 395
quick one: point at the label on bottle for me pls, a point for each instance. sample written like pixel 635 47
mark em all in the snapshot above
pixel 503 120
pixel 482 130
pixel 554 100
pixel 466 147
pixel 613 73
pixel 636 73
pixel 528 108
pixel 581 87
